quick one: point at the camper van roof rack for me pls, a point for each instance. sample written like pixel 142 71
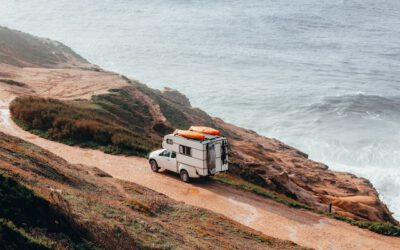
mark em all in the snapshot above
pixel 207 138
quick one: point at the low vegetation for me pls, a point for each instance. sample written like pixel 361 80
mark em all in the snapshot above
pixel 377 227
pixel 253 188
pixel 28 221
pixel 47 203
pixel 82 123
pixel 12 237
pixel 117 122
pixel 174 115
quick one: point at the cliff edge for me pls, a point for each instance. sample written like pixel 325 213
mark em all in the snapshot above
pixel 48 69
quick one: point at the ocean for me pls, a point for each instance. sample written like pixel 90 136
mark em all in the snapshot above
pixel 322 76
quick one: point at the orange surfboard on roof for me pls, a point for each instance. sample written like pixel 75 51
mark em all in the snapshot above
pixel 205 130
pixel 190 134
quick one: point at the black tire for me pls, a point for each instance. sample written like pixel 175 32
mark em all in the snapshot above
pixel 154 166
pixel 184 176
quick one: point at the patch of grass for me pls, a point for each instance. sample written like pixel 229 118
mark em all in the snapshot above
pixel 81 125
pixel 23 213
pixel 125 108
pixel 377 227
pixel 13 83
pixel 17 238
pixel 250 187
pixel 139 206
pixel 116 122
pixel 176 117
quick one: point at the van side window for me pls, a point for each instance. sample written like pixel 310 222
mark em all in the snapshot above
pixel 170 141
pixel 185 150
pixel 173 155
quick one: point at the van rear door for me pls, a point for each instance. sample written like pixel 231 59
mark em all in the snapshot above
pixel 211 157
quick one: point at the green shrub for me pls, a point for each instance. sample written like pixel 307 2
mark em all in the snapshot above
pixel 377 227
pixel 250 187
pixel 83 124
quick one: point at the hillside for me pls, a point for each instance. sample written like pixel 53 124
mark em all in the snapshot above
pixel 24 50
pixel 264 161
pixel 133 119
pixel 91 108
pixel 51 203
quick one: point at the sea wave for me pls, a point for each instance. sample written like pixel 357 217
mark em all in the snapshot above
pixel 365 106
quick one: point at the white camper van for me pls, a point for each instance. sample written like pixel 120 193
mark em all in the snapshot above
pixel 191 154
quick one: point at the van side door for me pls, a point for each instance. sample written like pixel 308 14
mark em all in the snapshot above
pixel 168 160
pixel 163 159
pixel 172 163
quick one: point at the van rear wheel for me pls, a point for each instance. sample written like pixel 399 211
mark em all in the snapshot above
pixel 154 166
pixel 184 176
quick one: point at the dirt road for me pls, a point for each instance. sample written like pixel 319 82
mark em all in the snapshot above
pixel 271 218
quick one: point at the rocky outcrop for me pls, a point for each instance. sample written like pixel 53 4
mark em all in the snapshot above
pixel 287 170
pixel 176 96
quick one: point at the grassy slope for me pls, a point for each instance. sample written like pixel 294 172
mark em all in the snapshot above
pixel 21 49
pixel 88 124
pixel 24 216
pixel 118 122
pixel 48 203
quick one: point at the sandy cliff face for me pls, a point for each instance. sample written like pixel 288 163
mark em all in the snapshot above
pixel 265 161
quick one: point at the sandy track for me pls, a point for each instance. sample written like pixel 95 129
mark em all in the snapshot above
pixel 271 218
pixel 59 83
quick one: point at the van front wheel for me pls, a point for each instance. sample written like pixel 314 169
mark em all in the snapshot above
pixel 185 176
pixel 154 166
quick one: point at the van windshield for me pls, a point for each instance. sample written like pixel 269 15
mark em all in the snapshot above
pixel 165 153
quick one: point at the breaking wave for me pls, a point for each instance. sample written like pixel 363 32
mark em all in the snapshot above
pixel 364 106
